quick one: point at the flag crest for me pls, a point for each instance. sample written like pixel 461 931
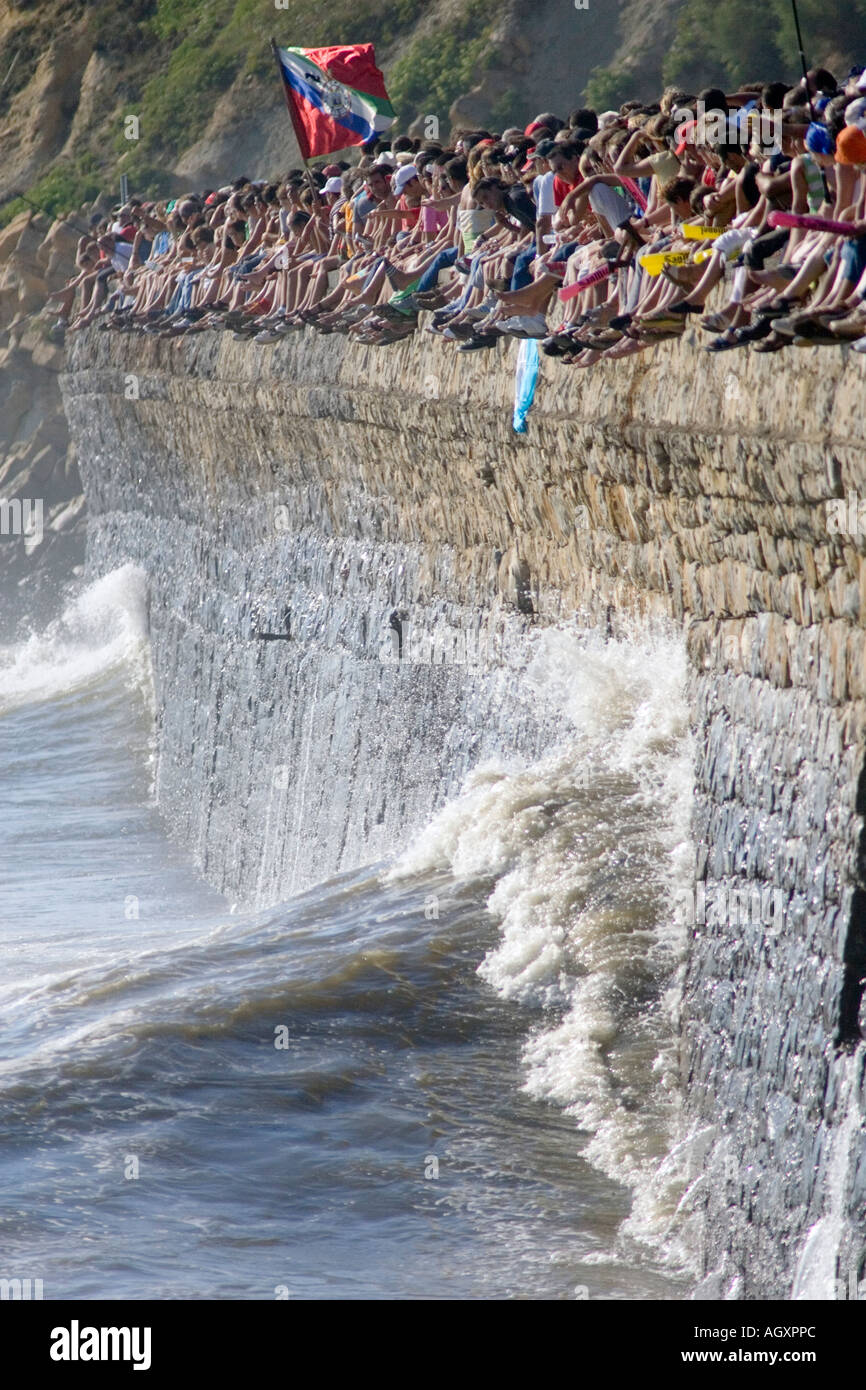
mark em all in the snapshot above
pixel 336 96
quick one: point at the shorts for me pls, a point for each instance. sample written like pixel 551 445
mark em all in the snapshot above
pixel 732 242
pixel 853 258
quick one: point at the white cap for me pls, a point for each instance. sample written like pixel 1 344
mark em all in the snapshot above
pixel 861 81
pixel 404 175
pixel 334 185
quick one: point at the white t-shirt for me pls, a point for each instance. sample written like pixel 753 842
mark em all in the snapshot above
pixel 608 204
pixel 121 255
pixel 542 192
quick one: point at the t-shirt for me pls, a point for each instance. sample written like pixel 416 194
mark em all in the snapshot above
pixel 433 220
pixel 665 166
pixel 121 256
pixel 520 206
pixel 362 206
pixel 562 188
pixel 411 215
pixel 542 192
pixel 610 205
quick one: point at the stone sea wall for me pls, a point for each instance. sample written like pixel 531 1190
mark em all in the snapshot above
pixel 251 482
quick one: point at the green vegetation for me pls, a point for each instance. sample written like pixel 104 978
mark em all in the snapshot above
pixel 65 187
pixel 438 67
pixel 726 42
pixel 732 42
pixel 178 58
pixel 608 88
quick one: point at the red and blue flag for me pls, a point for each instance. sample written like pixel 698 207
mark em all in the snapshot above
pixel 336 96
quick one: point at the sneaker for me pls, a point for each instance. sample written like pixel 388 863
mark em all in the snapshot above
pixel 859 346
pixel 525 326
pixel 482 340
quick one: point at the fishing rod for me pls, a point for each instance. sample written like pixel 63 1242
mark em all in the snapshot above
pixel 803 59
pixel 37 207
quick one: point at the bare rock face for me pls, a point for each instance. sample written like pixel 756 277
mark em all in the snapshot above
pixel 540 60
pixel 249 133
pixel 37 124
pixel 37 462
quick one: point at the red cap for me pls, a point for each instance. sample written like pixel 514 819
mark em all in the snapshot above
pixel 686 130
pixel 533 126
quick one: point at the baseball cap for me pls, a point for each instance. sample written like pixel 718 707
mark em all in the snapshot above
pixel 333 185
pixel 404 175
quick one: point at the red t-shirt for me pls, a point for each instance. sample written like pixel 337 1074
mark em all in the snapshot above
pixel 561 188
pixel 411 215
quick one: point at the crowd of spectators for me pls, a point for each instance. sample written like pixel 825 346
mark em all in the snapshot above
pixel 600 235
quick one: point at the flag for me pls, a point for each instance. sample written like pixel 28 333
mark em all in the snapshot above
pixel 336 96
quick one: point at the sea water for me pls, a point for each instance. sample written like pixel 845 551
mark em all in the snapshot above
pixel 451 1074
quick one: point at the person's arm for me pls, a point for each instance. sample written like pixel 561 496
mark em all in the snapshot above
pixel 441 204
pixel 625 164
pixel 773 185
pixel 255 237
pixel 574 203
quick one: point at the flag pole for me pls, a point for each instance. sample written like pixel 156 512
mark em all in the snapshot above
pixel 802 58
pixel 299 134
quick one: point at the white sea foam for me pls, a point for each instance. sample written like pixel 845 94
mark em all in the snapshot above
pixel 586 848
pixel 103 629
pixel 818 1275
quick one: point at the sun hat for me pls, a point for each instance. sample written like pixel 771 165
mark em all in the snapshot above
pixel 851 146
pixel 404 175
pixel 819 140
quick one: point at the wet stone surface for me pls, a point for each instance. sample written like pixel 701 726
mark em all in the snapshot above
pixel 334 481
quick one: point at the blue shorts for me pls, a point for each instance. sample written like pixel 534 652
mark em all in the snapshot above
pixel 853 257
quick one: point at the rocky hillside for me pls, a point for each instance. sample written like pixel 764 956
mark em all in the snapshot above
pixel 37 463
pixel 199 78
